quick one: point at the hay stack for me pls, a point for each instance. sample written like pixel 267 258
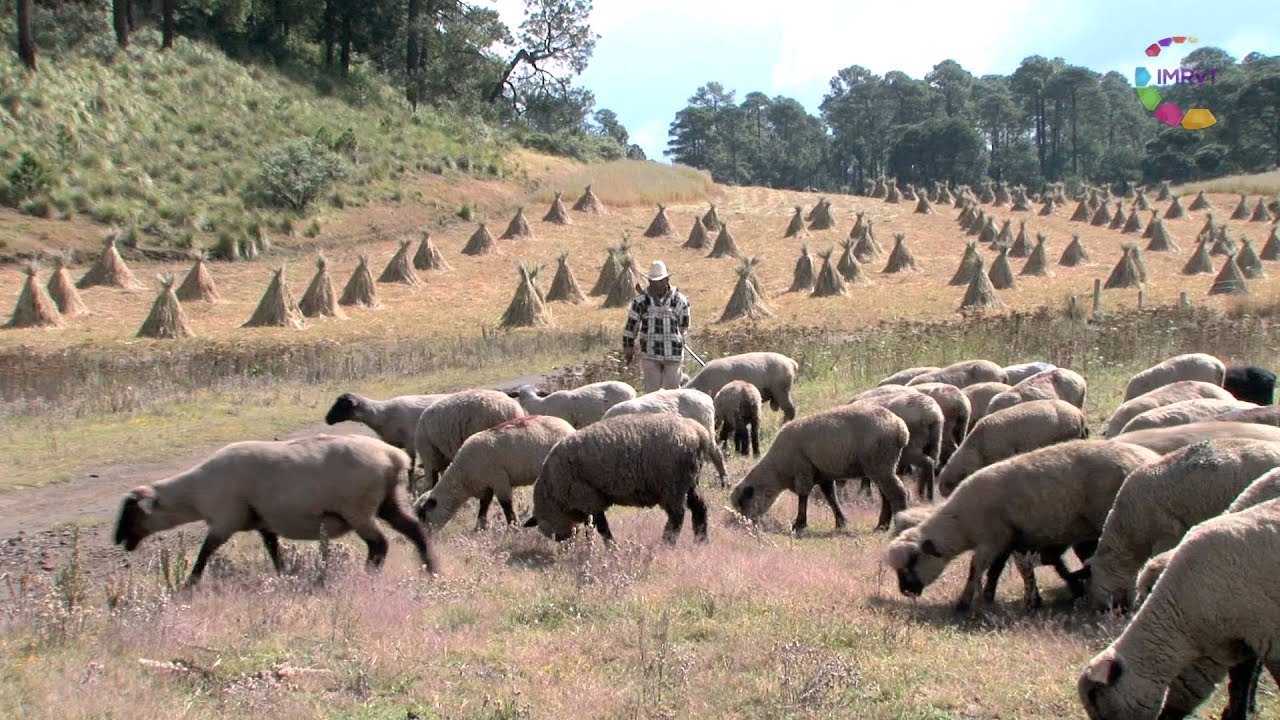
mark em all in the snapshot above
pixel 1209 229
pixel 1136 253
pixel 893 195
pixel 198 285
pixel 1021 203
pixel 867 248
pixel 1037 264
pixel 428 256
pixel 746 300
pixel 1102 217
pixel 611 269
pixel 1125 274
pixel 725 245
pixel 989 233
pixel 847 266
pixel 167 320
pixel 822 217
pixel 944 195
pixel 909 192
pixel 527 308
pixel 1230 281
pixel 1271 248
pixel 35 308
pixel 589 203
pixel 965 217
pixel 987 196
pixel 1049 207
pixel 1118 220
pixel 109 270
pixel 1260 212
pixel 980 295
pixel 1200 203
pixel 1005 237
pixel 63 291
pixel 480 242
pixel 803 277
pixel 400 268
pixel 1151 225
pixel 277 308
pixel 969 264
pixel 829 281
pixel 1001 274
pixel 1002 195
pixel 1083 212
pixel 1175 210
pixel 923 207
pixel 319 299
pixel 1075 253
pixel 796 228
pixel 557 214
pixel 518 228
pixel 1021 246
pixel 1141 202
pixel 660 226
pixel 1248 261
pixel 711 220
pixel 859 226
pixel 1133 223
pixel 878 192
pixel 624 286
pixel 1242 209
pixel 564 286
pixel 1223 244
pixel 1166 192
pixel 901 258
pixel 1161 241
pixel 360 289
pixel 698 238
pixel 978 224
pixel 1200 263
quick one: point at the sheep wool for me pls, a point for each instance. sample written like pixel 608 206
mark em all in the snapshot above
pixel 1161 396
pixel 772 373
pixel 443 427
pixel 1020 429
pixel 1191 366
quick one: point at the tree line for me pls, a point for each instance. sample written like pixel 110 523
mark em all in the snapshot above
pixel 1047 121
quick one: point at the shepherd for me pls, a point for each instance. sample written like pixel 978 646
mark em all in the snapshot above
pixel 659 319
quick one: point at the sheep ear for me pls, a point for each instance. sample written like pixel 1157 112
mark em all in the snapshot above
pixel 531 522
pixel 1104 671
pixel 928 548
pixel 146 503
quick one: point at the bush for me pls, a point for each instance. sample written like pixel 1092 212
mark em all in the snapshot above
pixel 298 172
pixel 28 178
pixel 464 212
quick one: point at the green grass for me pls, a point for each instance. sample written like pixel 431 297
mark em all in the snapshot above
pixel 1267 183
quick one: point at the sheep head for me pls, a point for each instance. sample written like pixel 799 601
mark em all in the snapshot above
pixel 756 493
pixel 344 408
pixel 142 513
pixel 1108 587
pixel 916 560
pixel 1108 692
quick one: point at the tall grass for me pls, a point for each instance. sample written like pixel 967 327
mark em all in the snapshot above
pixel 630 182
pixel 1267 183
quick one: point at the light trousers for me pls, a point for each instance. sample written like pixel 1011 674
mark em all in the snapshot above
pixel 660 374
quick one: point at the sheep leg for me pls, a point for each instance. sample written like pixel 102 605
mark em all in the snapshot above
pixel 212 542
pixel 864 487
pixel 924 482
pixel 482 517
pixel 893 498
pixel 724 433
pixel 602 526
pixel 271 542
pixel 828 488
pixel 698 511
pixel 508 511
pixel 375 540
pixel 1242 689
pixel 978 564
pixel 1027 568
pixel 993 575
pixel 788 409
pixel 802 513
pixel 755 437
pixel 675 519
pixel 405 524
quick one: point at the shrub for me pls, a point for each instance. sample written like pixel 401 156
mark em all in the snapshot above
pixel 28 178
pixel 298 172
pixel 464 212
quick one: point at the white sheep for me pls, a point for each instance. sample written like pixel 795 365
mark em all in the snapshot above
pixel 963 373
pixel 1020 429
pixel 447 424
pixel 955 410
pixel 684 402
pixel 1264 415
pixel 394 419
pixel 1166 440
pixel 1159 397
pixel 580 406
pixel 737 408
pixel 979 395
pixel 1022 371
pixel 1055 384
pixel 490 464
pixel 925 422
pixel 902 377
pixel 1186 411
pixel 772 373
pixel 1192 366
pixel 302 489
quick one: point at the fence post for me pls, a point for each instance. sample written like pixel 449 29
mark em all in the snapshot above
pixel 1141 299
pixel 1097 296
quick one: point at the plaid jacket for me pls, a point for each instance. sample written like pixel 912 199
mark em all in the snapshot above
pixel 659 324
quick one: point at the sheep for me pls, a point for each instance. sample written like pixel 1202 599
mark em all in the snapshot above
pixel 1214 603
pixel 1166 440
pixel 638 460
pixel 1265 415
pixel 1181 413
pixel 447 424
pixel 1046 500
pixel 490 464
pixel 1250 383
pixel 979 395
pixel 1020 372
pixel 1163 395
pixel 964 373
pixel 1020 429
pixel 301 489
pixel 1159 502
pixel 1192 366
pixel 679 401
pixel 772 373
pixel 925 422
pixel 737 410
pixel 955 410
pixel 394 420
pixel 856 440
pixel 580 406
pixel 1058 383
pixel 902 377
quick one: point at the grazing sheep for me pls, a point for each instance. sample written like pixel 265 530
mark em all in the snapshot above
pixel 637 460
pixel 1265 415
pixel 737 408
pixel 1181 413
pixel 394 420
pixel 580 406
pixel 1215 602
pixel 447 424
pixel 1055 384
pixel 1192 366
pixel 1166 440
pixel 1020 372
pixel 490 464
pixel 1020 429
pixel 924 421
pixel 964 373
pixel 1159 502
pixel 1159 397
pixel 1046 500
pixel 955 410
pixel 902 377
pixel 772 373
pixel 302 489
pixel 980 395
pixel 857 440
pixel 1251 384
pixel 679 401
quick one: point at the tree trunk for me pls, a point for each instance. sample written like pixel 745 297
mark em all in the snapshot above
pixel 412 54
pixel 327 34
pixel 128 14
pixel 26 43
pixel 120 19
pixel 170 27
pixel 346 39
pixel 496 92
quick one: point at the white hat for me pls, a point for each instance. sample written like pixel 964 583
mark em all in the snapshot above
pixel 658 270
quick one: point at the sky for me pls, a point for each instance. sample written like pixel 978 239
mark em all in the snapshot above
pixel 653 54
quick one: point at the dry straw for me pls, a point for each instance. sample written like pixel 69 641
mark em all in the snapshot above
pixel 1242 209
pixel 1001 273
pixel 557 214
pixel 1125 274
pixel 1200 262
pixel 1260 212
pixel 277 308
pixel 1082 213
pixel 611 268
pixel 970 261
pixel 829 281
pixel 1209 229
pixel 711 220
pixel 893 195
pixel 660 226
pixel 1271 248
pixel 822 217
pixel 564 286
pixel 1223 244
pixel 480 243
pixel 167 320
pixel 1141 202
pixel 989 232
pixel 198 285
pixel 868 248
pixel 518 228
pixel 1074 254
pixel 1151 225
pixel 1248 261
pixel 1161 240
pixel 109 270
pixel 428 256
pixel 803 277
pixel 1021 244
pixel 1037 264
pixel 1049 207
pixel 746 300
pixel 1175 210
pixel 859 226
pixel 1102 217
pixel 1165 193
pixel 1200 203
pixel 360 290
pixel 1118 220
pixel 623 289
pixel 319 299
pixel 725 245
pixel 698 238
pixel 1005 237
pixel 901 259
pixel 35 309
pixel 1132 223
pixel 980 295
pixel 1229 281
pixel 589 203
pixel 796 227
pixel 847 266
pixel 63 291
pixel 527 308
pixel 400 268
pixel 923 207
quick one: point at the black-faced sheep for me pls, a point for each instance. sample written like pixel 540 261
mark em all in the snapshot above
pixel 857 440
pixel 447 424
pixel 1159 397
pixel 684 402
pixel 1251 384
pixel 580 406
pixel 1166 440
pixel 490 464
pixel 1022 371
pixel 1192 366
pixel 1184 412
pixel 394 420
pixel 1043 501
pixel 638 460
pixel 296 489
pixel 963 373
pixel 980 395
pixel 737 407
pixel 925 422
pixel 902 377
pixel 1020 429
pixel 955 409
pixel 1055 384
pixel 772 373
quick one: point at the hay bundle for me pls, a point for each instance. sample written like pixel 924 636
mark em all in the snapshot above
pixel 711 220
pixel 1102 217
pixel 1166 192
pixel 1200 203
pixel 878 192
pixel 63 292
pixel 969 264
pixel 944 195
pixel 1161 241
pixel 1037 264
pixel 987 196
pixel 965 217
pixel 428 256
pixel 978 223
pixel 1175 210
pixel 980 295
pixel 198 285
pixel 1271 248
pixel 1083 212
pixel 698 237
pixel 1002 195
pixel 319 299
pixel 901 258
pixel 1021 203
pixel 589 203
pixel 1005 237
pixel 859 227
pixel 1001 273
pixel 822 217
pixel 909 192
pixel 610 270
pixel 1125 274
pixel 894 195
pixel 660 226
pixel 167 320
pixel 1118 220
pixel 1132 223
pixel 1022 243
pixel 1223 244
pixel 557 214
pixel 277 308
pixel 989 233
pixel 725 245
pixel 400 268
pixel 1138 262
pixel 1151 225
pixel 624 286
pixel 867 247
pixel 1049 207
pixel 1248 261
pixel 1075 253
pixel 746 300
pixel 796 228
pixel 1200 263
pixel 518 228
pixel 803 277
pixel 527 308
pixel 923 207
pixel 480 243
pixel 1260 212
pixel 1141 202
pixel 1242 209
pixel 847 266
pixel 35 308
pixel 829 281
pixel 961 196
pixel 1209 229
pixel 1229 281
pixel 360 289
pixel 109 270
pixel 564 286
